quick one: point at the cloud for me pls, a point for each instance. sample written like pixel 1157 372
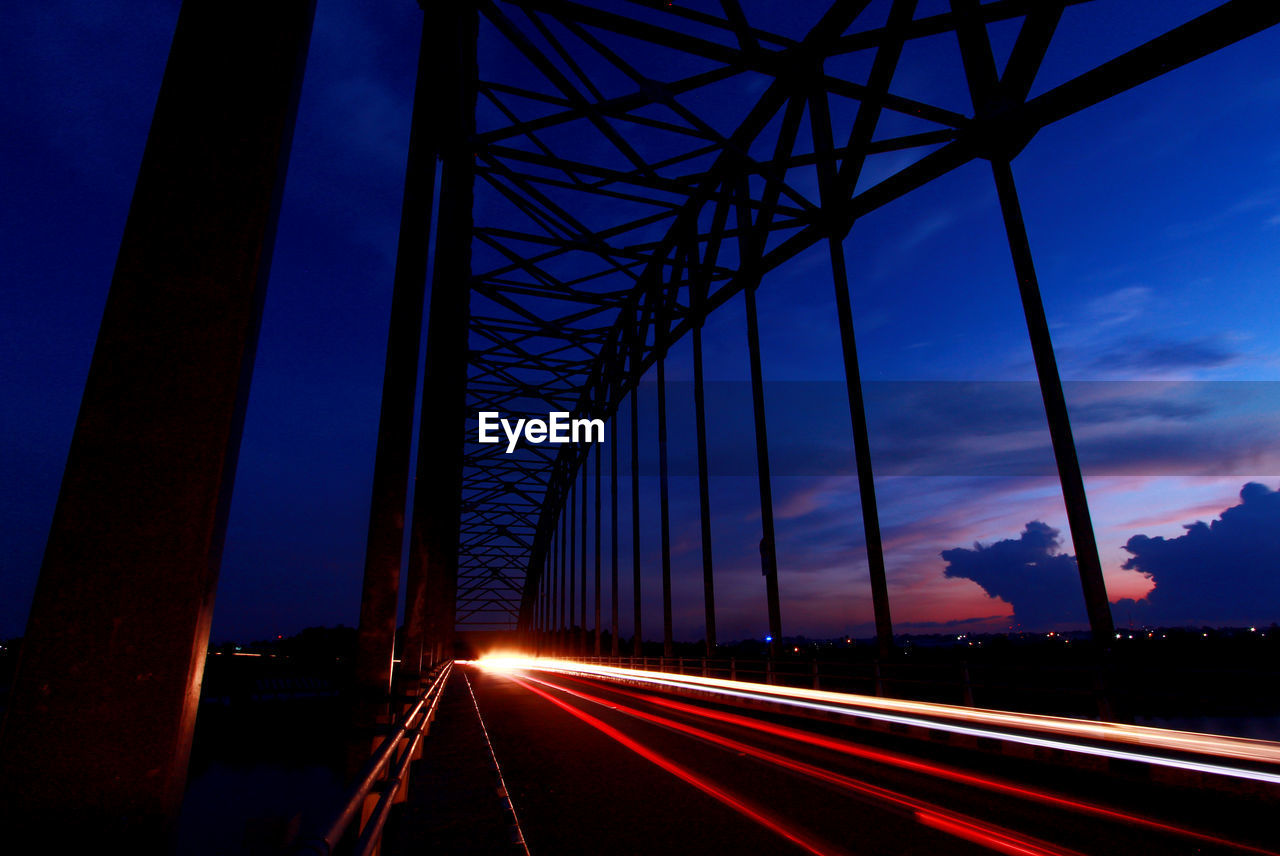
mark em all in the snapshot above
pixel 964 428
pixel 1119 335
pixel 1028 572
pixel 977 428
pixel 1222 573
pixel 1119 306
pixel 1226 572
pixel 1161 357
pixel 1241 211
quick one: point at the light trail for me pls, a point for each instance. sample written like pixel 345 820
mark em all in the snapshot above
pixel 905 712
pixel 724 796
pixel 968 828
pixel 930 769
pixel 976 835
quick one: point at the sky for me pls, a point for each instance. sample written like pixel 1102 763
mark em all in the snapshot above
pixel 1155 223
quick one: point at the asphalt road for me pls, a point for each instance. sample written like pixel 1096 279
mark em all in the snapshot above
pixel 593 767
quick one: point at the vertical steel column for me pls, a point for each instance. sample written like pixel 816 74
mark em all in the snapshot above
pixel 1055 406
pixel 532 646
pixel 98 730
pixel 526 620
pixel 573 567
pixel 582 647
pixel 862 452
pixel 548 622
pixel 596 647
pixel 752 244
pixel 556 586
pixel 433 551
pixel 613 534
pixel 551 589
pixel 548 585
pixel 768 554
pixel 704 492
pixel 547 582
pixel 832 197
pixel 560 634
pixel 665 507
pixel 375 639
pixel 699 286
pixel 635 514
pixel 413 647
pixel 538 602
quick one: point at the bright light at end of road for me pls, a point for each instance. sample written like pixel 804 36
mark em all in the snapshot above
pixel 507 661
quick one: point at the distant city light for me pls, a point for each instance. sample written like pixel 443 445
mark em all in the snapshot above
pixel 768 638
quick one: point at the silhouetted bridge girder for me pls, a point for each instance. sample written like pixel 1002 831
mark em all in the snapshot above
pixel 584 216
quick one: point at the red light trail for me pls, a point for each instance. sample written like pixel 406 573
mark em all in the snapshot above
pixel 940 771
pixel 932 816
pixel 723 795
pixel 984 832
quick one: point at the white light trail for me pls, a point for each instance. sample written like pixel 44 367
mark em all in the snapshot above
pixel 974 722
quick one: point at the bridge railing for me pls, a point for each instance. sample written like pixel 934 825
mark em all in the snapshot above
pixel 385 773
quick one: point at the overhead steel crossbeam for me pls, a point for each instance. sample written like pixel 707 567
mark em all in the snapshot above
pixel 614 140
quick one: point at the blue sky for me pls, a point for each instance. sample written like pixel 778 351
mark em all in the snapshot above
pixel 1154 218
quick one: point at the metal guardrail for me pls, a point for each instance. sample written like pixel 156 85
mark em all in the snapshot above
pixel 394 754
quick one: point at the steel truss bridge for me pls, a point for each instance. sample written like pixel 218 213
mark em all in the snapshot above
pixel 586 182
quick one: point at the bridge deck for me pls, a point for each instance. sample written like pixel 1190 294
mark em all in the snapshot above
pixel 593 767
pixel 455 804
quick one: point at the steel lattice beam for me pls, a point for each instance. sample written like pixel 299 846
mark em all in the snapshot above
pixel 602 207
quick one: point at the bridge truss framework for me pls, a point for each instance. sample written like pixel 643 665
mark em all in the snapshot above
pixel 596 178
